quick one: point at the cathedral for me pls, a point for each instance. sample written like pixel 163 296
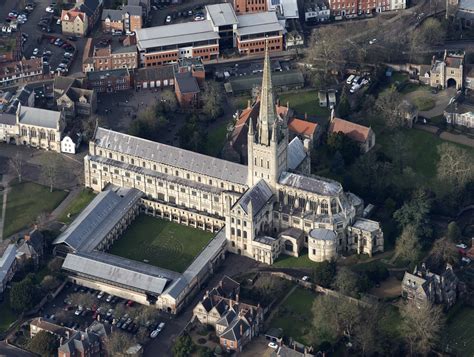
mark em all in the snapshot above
pixel 270 207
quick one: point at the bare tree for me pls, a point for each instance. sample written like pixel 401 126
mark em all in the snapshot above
pixel 118 343
pixel 16 163
pixel 49 171
pixel 421 326
pixel 387 105
pixel 443 251
pixel 85 300
pixel 455 167
pixel 327 45
pixel 346 282
pixel 407 246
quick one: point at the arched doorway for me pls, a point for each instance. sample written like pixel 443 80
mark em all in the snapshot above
pixel 451 82
pixel 289 246
pixel 12 141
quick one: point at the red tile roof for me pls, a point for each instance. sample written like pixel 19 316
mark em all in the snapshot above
pixel 302 127
pixel 355 131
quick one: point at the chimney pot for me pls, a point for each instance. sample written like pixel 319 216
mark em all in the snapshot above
pixel 241 329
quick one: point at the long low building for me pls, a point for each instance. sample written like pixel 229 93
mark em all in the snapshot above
pixel 204 39
pixel 85 242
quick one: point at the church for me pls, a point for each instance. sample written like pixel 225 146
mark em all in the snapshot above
pixel 271 206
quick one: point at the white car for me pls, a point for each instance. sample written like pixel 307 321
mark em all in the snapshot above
pixel 49 10
pixel 273 345
pixel 100 295
pixel 35 51
pixel 154 333
pixel 109 298
pixel 465 260
pixel 461 246
pixel 168 19
pixel 371 42
pixel 4 29
pixel 58 22
pixel 305 278
pixel 350 79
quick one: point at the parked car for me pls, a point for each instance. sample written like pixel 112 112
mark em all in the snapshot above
pixel 273 345
pixel 49 10
pixel 109 297
pixel 100 295
pixel 154 333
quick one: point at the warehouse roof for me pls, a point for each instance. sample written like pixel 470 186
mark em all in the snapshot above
pixel 175 34
pixel 172 156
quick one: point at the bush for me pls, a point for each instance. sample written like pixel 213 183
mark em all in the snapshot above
pixel 202 341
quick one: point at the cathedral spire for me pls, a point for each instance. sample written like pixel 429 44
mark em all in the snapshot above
pixel 267 102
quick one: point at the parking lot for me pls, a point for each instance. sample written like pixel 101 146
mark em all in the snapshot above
pixel 76 307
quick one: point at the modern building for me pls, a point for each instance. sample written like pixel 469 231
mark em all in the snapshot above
pixel 285 9
pixel 460 112
pixel 109 56
pixel 465 13
pixel 424 286
pixel 254 203
pixel 361 134
pixel 21 71
pixel 110 81
pixel 71 98
pixel 249 6
pixel 126 20
pixel 222 29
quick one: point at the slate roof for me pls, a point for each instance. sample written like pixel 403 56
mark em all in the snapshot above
pixel 172 156
pixel 322 234
pixel 154 73
pixel 51 327
pixel 6 260
pixel 258 195
pixel 118 272
pixel 112 14
pixel 39 117
pixel 319 185
pixel 296 153
pixel 366 225
pixel 221 14
pixel 232 333
pixel 7 119
pixel 186 83
pixel 98 218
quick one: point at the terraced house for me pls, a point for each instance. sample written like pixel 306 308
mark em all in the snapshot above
pixel 256 203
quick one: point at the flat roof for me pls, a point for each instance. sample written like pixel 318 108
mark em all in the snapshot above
pixel 175 34
pixel 221 14
pixel 319 185
pixel 259 22
pixel 366 225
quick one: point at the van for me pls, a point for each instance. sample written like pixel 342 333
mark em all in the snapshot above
pixel 355 88
pixel 350 79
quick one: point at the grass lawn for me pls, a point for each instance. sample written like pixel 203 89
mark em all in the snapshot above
pixel 25 202
pixel 164 244
pixel 216 139
pixel 305 102
pixel 241 102
pixel 303 261
pixel 76 207
pixel 391 321
pixel 424 103
pixel 458 332
pixel 294 315
pixel 7 316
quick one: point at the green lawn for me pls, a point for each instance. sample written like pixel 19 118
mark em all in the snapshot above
pixel 305 102
pixel 162 243
pixel 25 202
pixel 241 102
pixel 76 207
pixel 7 316
pixel 216 138
pixel 303 261
pixel 294 315
pixel 424 103
pixel 458 332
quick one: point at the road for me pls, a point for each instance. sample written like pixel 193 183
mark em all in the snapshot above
pixel 161 346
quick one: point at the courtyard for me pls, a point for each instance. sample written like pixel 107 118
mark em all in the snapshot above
pixel 161 243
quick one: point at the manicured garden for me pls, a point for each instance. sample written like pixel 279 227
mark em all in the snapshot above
pixel 305 102
pixel 76 207
pixel 294 315
pixel 25 202
pixel 161 243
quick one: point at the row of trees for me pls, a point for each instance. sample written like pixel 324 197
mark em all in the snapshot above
pixel 365 327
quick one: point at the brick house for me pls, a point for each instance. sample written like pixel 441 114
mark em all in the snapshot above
pixel 110 81
pixel 110 56
pixel 21 71
pixel 363 135
pixel 80 20
pixel 127 20
pixel 248 6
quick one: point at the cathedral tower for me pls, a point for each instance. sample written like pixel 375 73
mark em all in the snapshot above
pixel 267 145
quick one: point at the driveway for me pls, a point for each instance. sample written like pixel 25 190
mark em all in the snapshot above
pixel 161 346
pixel 441 99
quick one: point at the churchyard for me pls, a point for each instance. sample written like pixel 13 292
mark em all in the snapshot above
pixel 161 243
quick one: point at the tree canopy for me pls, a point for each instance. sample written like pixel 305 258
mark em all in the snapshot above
pixel 44 344
pixel 24 295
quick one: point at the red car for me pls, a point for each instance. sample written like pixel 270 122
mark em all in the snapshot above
pixel 129 303
pixel 52 41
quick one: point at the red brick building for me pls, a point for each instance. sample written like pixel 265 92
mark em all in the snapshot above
pixel 248 6
pixel 129 19
pixel 353 8
pixel 105 57
pixel 110 81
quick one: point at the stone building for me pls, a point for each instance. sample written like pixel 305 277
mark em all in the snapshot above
pixel 460 112
pixel 255 203
pixel 448 72
pixel 425 286
pixel 71 98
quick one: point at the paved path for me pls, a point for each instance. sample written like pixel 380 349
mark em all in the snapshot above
pixel 275 308
pixel 8 350
pixel 445 135
pixel 64 204
pixel 4 183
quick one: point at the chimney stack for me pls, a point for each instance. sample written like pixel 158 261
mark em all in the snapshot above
pixel 236 297
pixel 305 116
pixel 241 329
pixel 248 103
